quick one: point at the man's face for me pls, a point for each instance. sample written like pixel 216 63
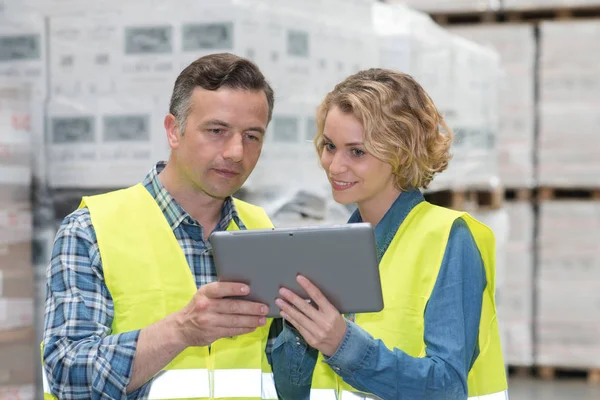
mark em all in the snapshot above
pixel 222 141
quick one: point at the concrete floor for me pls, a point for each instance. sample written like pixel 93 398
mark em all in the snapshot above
pixel 559 389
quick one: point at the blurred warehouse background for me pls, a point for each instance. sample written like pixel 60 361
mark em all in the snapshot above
pixel 85 85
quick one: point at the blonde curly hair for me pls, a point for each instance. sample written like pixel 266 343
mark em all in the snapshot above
pixel 402 125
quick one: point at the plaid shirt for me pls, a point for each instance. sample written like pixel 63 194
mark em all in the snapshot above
pixel 82 359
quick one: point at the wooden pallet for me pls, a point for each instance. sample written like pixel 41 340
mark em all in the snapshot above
pixel 518 194
pixel 514 16
pixel 17 335
pixel 520 371
pixel 463 199
pixel 550 373
pixel 547 193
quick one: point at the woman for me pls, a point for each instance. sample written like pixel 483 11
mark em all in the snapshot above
pixel 379 141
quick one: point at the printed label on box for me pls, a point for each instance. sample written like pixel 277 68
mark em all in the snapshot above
pixel 285 129
pixel 20 47
pixel 208 36
pixel 73 130
pixel 126 128
pixel 149 40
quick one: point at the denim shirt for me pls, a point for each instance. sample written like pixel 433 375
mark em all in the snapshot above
pixel 451 317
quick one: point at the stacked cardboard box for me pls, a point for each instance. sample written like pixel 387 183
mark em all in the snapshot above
pixel 17 349
pixel 23 81
pixel 570 99
pixel 516 47
pixel 515 299
pixel 568 308
pixel 112 74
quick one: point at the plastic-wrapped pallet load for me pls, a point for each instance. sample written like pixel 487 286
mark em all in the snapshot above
pixel 17 350
pixel 140 58
pixel 307 55
pixel 450 5
pixel 95 143
pixel 568 308
pixel 460 76
pixel 570 99
pixel 516 47
pixel 515 300
pixel 473 116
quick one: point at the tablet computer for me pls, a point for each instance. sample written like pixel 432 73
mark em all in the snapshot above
pixel 340 260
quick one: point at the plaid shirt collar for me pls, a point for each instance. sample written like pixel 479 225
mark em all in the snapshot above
pixel 172 210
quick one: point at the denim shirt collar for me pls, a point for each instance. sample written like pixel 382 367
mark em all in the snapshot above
pixel 388 226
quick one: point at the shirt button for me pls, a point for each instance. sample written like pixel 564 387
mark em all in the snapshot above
pixel 336 368
pixel 298 343
pixel 297 338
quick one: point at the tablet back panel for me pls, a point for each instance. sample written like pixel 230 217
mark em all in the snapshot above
pixel 341 260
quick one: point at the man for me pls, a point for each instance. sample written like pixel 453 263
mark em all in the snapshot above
pixel 125 318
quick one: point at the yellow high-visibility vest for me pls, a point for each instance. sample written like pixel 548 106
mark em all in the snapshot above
pixel 149 278
pixel 409 270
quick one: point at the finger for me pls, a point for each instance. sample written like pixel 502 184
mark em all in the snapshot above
pixel 238 321
pixel 308 337
pixel 301 320
pixel 218 290
pixel 299 303
pixel 315 294
pixel 240 307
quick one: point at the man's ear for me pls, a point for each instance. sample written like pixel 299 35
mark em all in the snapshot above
pixel 173 132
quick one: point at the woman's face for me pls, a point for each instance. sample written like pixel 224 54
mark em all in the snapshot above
pixel 355 175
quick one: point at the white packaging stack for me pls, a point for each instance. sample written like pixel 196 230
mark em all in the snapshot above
pixel 460 76
pixel 537 4
pixel 570 100
pixel 499 221
pixel 516 47
pixel 17 350
pixel 473 116
pixel 515 300
pixel 307 54
pixel 568 308
pixel 137 55
pixel 450 5
pixel 23 62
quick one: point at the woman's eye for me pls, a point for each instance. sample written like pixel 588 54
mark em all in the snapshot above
pixel 358 153
pixel 329 146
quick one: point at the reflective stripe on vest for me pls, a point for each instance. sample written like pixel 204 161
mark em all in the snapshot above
pixel 180 384
pixel 232 383
pixel 268 386
pixel 347 395
pixel 45 384
pixel 170 384
pixel 194 383
pixel 494 396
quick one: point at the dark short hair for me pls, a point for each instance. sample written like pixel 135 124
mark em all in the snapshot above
pixel 212 72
